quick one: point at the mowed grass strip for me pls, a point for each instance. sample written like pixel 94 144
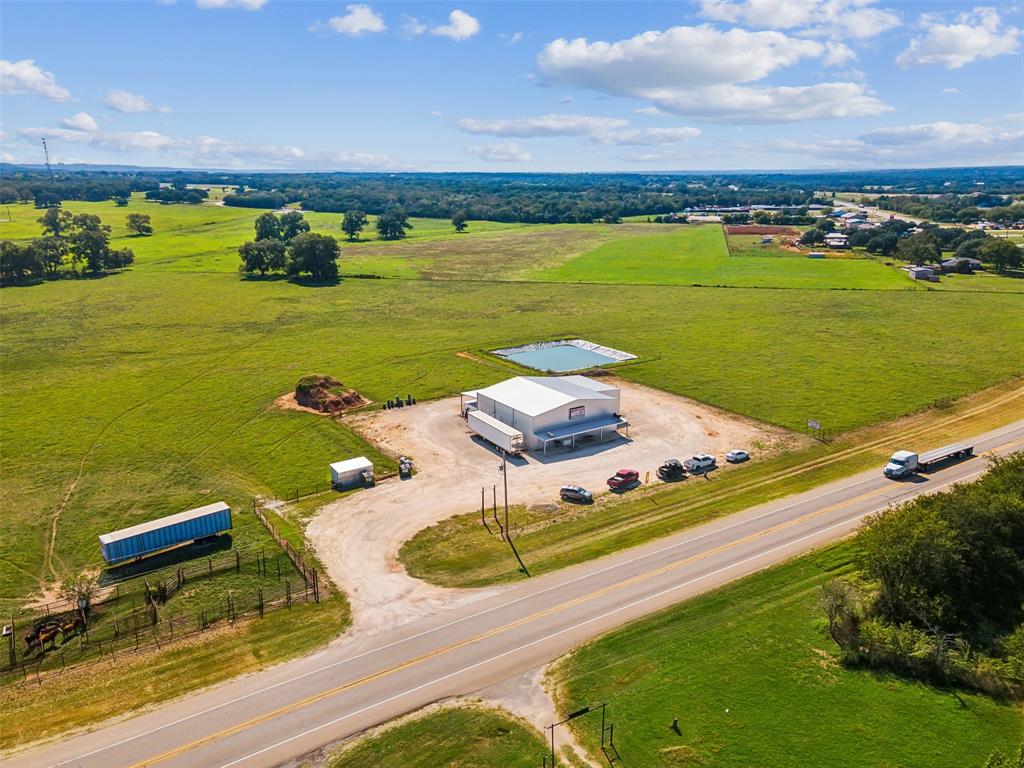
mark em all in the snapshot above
pixel 466 736
pixel 459 552
pixel 149 393
pixel 696 254
pixel 750 674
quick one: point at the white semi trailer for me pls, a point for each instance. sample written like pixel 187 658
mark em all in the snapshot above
pixel 498 433
pixel 907 463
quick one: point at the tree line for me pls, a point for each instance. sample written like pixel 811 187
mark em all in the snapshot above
pixel 960 209
pixel 940 586
pixel 80 241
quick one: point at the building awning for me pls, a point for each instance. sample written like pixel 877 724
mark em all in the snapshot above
pixel 583 428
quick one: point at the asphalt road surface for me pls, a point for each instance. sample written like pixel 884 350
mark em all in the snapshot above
pixel 268 718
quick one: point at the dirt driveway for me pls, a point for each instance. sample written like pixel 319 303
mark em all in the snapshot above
pixel 358 537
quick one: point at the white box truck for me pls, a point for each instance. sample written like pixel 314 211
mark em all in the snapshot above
pixel 907 463
pixel 352 472
pixel 498 433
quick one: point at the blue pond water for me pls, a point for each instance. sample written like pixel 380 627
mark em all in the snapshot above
pixel 560 358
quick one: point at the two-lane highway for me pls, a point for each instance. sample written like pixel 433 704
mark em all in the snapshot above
pixel 273 716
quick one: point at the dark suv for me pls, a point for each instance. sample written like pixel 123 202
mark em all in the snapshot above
pixel 576 493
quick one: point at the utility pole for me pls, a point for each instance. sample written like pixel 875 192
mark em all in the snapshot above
pixel 504 477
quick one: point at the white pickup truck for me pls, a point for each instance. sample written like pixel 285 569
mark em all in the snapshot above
pixel 907 463
pixel 699 462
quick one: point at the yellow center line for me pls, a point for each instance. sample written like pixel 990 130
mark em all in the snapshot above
pixel 284 710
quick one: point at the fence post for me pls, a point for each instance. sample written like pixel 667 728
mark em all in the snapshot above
pixel 287 593
pixel 209 563
pixel 238 562
pixel 259 592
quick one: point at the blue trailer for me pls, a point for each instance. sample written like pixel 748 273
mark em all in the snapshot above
pixel 147 538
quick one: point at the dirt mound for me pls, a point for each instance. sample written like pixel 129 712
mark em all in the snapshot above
pixel 326 395
pixel 760 229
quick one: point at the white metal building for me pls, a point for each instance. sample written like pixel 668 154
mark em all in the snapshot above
pixel 552 410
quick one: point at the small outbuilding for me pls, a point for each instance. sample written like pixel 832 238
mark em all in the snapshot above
pixel 352 472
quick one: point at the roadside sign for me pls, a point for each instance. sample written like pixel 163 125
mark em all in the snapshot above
pixel 813 424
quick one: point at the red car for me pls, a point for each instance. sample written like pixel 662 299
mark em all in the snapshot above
pixel 624 478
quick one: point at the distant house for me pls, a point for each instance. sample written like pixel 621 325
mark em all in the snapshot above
pixel 836 240
pixel 961 264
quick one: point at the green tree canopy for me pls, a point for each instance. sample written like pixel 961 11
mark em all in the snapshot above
pixel 315 255
pixel 460 220
pixel 393 224
pixel 139 223
pixel 920 248
pixel 56 221
pixel 353 223
pixel 262 256
pixel 1002 254
pixel 292 224
pixel 268 227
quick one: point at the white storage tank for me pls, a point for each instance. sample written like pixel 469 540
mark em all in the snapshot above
pixel 351 472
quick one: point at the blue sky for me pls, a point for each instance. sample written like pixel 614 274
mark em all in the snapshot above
pixel 529 86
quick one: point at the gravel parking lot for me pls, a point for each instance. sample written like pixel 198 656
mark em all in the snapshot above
pixel 358 537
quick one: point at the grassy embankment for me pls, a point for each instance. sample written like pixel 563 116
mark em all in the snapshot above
pixel 751 674
pixel 466 736
pixel 459 552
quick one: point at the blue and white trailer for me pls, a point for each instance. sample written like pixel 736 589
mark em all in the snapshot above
pixel 184 527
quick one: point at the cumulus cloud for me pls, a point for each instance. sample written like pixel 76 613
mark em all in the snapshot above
pixel 359 20
pixel 126 101
pixel 703 72
pixel 998 141
pixel 460 26
pixel 833 18
pixel 81 121
pixel 509 152
pixel 977 34
pixel 208 5
pixel 599 130
pixel 120 141
pixel 25 77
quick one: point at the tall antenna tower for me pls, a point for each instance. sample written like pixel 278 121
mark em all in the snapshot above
pixel 46 154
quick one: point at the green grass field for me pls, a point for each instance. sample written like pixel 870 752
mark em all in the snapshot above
pixel 697 255
pixel 151 391
pixel 751 676
pixel 453 737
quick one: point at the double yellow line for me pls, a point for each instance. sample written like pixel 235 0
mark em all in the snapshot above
pixel 284 710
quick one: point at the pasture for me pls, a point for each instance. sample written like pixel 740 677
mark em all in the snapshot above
pixel 139 394
pixel 750 674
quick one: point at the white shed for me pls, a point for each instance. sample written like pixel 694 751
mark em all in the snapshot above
pixel 350 471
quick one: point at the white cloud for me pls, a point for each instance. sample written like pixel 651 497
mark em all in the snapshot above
pixel 120 141
pixel 517 37
pixel 701 71
pixel 359 161
pixel 7 157
pixel 649 111
pixel 460 26
pixel 126 101
pixel 24 76
pixel 832 18
pixel 359 20
pixel 565 100
pixel 543 125
pixel 81 121
pixel 411 26
pixel 436 113
pixel 951 90
pixel 599 130
pixel 500 153
pixel 997 141
pixel 247 5
pixel 974 35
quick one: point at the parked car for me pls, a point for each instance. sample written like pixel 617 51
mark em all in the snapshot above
pixel 735 457
pixel 576 493
pixel 699 462
pixel 671 470
pixel 624 478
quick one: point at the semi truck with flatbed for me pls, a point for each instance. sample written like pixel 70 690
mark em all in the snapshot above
pixel 907 463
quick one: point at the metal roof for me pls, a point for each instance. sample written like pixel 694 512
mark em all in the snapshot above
pixel 534 395
pixel 152 525
pixel 359 462
pixel 602 422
